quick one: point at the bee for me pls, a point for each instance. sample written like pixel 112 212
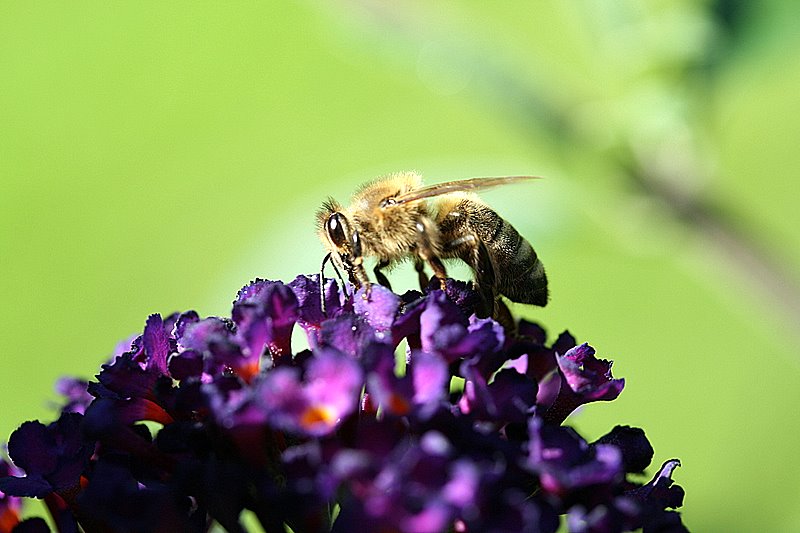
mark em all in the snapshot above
pixel 396 218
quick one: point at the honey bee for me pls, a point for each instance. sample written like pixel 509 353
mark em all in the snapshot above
pixel 395 218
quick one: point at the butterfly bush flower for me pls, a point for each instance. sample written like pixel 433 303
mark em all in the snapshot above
pixel 406 413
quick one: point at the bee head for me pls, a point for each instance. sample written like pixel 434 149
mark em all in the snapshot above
pixel 343 237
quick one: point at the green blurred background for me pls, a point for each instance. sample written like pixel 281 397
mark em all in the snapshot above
pixel 156 156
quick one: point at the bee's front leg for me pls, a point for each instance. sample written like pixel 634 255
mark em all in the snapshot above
pixel 357 263
pixel 360 277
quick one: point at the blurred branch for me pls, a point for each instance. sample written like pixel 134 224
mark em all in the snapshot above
pixel 746 255
pixel 533 108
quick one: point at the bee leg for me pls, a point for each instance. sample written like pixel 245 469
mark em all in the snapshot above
pixel 419 266
pixel 359 275
pixel 330 258
pixel 427 253
pixel 484 282
pixel 438 270
pixel 470 249
pixel 502 314
pixel 491 303
pixel 382 279
pixel 357 263
pixel 341 280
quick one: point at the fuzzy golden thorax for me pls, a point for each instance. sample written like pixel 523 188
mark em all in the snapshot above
pixel 389 232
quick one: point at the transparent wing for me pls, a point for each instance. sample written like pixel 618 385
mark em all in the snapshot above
pixel 471 184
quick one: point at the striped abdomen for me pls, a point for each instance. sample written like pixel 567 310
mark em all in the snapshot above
pixel 499 255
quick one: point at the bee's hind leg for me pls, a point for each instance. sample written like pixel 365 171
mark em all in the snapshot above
pixel 484 282
pixel 380 276
pixel 419 266
pixel 438 270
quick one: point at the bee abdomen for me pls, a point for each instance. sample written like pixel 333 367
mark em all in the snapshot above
pixel 519 274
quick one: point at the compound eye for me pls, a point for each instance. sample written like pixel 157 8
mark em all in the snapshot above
pixel 335 228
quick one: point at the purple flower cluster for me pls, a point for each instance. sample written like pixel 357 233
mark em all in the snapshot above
pixel 200 419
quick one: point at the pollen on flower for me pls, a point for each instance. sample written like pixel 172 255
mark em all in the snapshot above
pixel 315 415
pixel 248 370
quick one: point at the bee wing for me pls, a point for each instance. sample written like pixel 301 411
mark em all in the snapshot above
pixel 471 184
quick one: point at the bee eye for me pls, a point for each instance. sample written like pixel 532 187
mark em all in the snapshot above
pixel 335 228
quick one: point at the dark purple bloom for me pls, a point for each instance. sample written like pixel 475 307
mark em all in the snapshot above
pixel 109 420
pixel 589 378
pixel 509 398
pixel 349 333
pixel 30 525
pixel 115 500
pixel 437 325
pixel 10 506
pixel 265 313
pixel 640 508
pixel 156 343
pixel 421 389
pixel 443 329
pixel 188 364
pixel 212 341
pixel 75 392
pixel 460 293
pixel 138 372
pixel 315 401
pixel 197 420
pixel 310 311
pixel 124 345
pixel 419 486
pixel 568 376
pixel 636 449
pixel 660 492
pixel 513 511
pixel 53 457
pixel 567 465
pixel 379 309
